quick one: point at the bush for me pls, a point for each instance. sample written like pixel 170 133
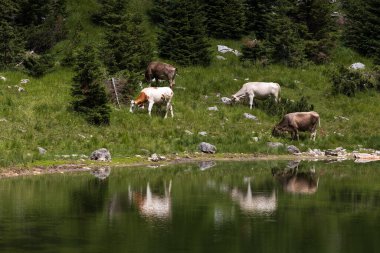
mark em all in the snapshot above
pixel 285 106
pixel 38 66
pixel 256 51
pixel 347 81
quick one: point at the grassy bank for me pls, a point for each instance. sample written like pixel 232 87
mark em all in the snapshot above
pixel 40 116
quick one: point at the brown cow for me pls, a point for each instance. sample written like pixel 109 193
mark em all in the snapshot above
pixel 160 71
pixel 298 121
pixel 297 182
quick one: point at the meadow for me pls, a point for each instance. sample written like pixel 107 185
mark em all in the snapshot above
pixel 41 117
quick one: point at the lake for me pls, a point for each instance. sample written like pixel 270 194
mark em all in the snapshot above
pixel 263 206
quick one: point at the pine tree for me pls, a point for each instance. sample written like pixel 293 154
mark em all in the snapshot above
pixel 11 45
pixel 257 12
pixel 183 34
pixel 362 31
pixel 225 18
pixel 284 34
pixel 88 92
pixel 319 32
pixel 127 45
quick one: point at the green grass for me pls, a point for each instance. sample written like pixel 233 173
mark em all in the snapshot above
pixel 40 116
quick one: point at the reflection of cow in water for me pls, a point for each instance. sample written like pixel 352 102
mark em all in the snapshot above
pixel 294 181
pixel 152 205
pixel 254 203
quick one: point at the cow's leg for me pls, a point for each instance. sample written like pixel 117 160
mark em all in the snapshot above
pixel 251 101
pixel 150 108
pixel 313 135
pixel 167 109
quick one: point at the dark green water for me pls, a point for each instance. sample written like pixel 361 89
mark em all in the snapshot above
pixel 231 207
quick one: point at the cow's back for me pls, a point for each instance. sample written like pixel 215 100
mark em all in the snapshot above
pixel 262 89
pixel 158 94
pixel 304 121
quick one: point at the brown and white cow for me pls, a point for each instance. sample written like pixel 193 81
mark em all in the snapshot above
pixel 154 95
pixel 298 122
pixel 160 71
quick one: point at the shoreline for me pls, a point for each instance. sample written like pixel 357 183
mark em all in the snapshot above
pixel 80 166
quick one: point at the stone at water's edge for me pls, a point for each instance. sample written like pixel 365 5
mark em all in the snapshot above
pixel 207 148
pixel 293 149
pixel 101 155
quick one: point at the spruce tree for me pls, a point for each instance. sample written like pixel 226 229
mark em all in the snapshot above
pixel 225 18
pixel 11 45
pixel 284 34
pixel 257 21
pixel 127 45
pixel 88 91
pixel 319 32
pixel 362 31
pixel 183 34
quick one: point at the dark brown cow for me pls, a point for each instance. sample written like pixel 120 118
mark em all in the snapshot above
pixel 298 122
pixel 160 71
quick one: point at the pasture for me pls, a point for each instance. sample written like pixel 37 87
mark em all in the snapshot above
pixel 40 116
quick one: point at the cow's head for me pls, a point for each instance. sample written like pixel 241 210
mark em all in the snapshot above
pixel 277 131
pixel 235 99
pixel 148 77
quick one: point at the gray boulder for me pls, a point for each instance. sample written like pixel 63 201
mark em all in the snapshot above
pixel 249 116
pixel 207 148
pixel 155 158
pixel 42 151
pixel 293 149
pixel 101 155
pixel 226 100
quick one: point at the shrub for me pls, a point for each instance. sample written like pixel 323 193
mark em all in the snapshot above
pixel 285 106
pixel 37 66
pixel 256 51
pixel 347 81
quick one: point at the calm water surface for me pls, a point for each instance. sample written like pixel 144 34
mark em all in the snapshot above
pixel 273 206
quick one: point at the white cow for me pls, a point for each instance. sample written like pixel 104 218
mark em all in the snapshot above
pixel 154 206
pixel 260 90
pixel 154 95
pixel 255 203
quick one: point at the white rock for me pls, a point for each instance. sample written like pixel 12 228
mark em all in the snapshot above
pixel 219 57
pixel 41 150
pixel 3 78
pixel 357 65
pixel 24 81
pixel 213 108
